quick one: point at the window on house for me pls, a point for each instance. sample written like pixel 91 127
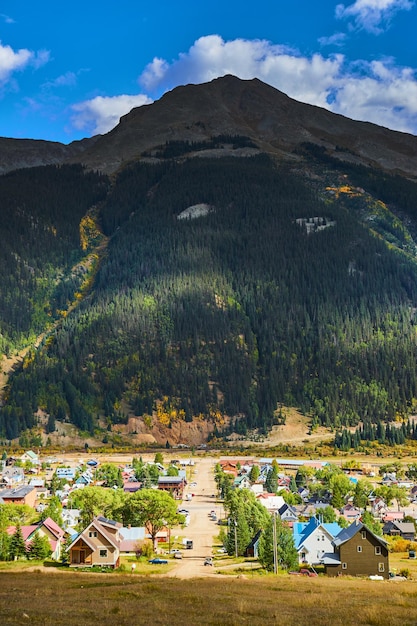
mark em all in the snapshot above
pixel 377 549
pixel 92 533
pixel 359 548
pixel 381 567
pixel 103 553
pixel 363 534
pixel 344 565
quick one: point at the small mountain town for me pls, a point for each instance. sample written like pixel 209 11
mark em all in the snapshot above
pixel 197 515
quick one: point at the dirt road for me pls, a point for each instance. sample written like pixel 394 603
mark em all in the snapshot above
pixel 202 528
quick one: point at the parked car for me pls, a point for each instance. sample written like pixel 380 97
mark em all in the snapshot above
pixel 308 572
pixel 158 561
pixel 304 572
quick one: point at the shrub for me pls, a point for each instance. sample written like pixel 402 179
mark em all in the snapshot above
pixel 398 544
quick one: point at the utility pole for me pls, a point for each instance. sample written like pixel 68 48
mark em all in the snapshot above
pixel 236 551
pixel 274 540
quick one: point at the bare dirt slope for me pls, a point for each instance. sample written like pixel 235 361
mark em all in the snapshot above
pixel 296 431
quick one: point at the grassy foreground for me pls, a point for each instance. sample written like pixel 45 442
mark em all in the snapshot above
pixel 79 598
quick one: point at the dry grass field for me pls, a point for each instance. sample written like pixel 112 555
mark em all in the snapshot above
pixel 70 598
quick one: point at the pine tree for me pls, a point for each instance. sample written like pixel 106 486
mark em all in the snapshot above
pixel 40 548
pixel 254 473
pixel 271 482
pixel 17 544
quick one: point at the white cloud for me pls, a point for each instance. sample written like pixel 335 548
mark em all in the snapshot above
pixel 40 58
pixel 378 92
pixel 11 61
pixel 337 39
pixel 101 114
pixel 69 79
pixel 210 57
pixel 7 19
pixel 383 94
pixel 372 15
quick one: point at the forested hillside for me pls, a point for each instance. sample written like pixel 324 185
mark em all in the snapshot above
pixel 44 234
pixel 226 316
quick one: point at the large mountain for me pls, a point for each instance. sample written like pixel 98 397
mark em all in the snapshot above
pixel 247 252
pixel 274 122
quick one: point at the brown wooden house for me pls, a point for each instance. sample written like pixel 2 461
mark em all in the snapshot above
pixel 98 544
pixel 405 530
pixel 357 552
pixel 173 484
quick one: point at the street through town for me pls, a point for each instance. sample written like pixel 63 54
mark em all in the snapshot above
pixel 202 529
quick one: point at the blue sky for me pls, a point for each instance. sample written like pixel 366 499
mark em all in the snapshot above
pixel 69 70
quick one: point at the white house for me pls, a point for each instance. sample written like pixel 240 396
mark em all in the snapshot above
pixel 30 456
pixel 313 539
pixel 270 501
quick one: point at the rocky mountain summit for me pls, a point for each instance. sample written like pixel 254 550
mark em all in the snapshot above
pixel 275 124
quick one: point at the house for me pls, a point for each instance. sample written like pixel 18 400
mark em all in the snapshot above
pixel 393 516
pixel 12 476
pixel 131 486
pixel 19 495
pixel 98 544
pixel 186 462
pixel 357 551
pixel 70 517
pixel 378 507
pixel 31 457
pixel 304 493
pixel 313 539
pixel 55 534
pixel 130 538
pixel 284 481
pixel 38 483
pixel 389 479
pixel 173 484
pixel 229 468
pixel 46 528
pixel 270 501
pixel 241 482
pixel 350 512
pixel 288 514
pixel 85 479
pixel 310 509
pixel 65 472
pixel 253 547
pixel 405 530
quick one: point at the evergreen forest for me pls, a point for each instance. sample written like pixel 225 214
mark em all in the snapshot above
pixel 292 289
